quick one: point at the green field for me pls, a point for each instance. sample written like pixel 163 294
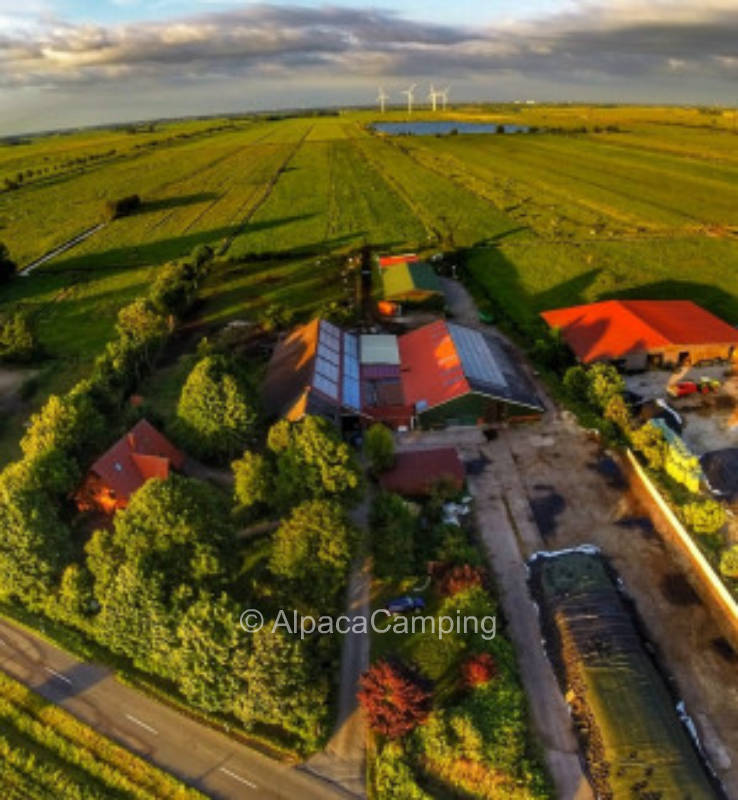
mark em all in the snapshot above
pixel 644 203
pixel 46 754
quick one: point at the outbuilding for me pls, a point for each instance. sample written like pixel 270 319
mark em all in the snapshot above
pixel 636 334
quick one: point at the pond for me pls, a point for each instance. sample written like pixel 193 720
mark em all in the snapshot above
pixel 445 128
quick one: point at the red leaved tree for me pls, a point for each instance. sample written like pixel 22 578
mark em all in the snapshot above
pixel 478 669
pixel 456 578
pixel 394 699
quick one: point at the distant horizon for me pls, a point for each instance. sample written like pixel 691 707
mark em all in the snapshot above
pixel 419 111
pixel 76 63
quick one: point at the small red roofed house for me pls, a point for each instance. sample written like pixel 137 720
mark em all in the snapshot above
pixel 418 472
pixel 141 454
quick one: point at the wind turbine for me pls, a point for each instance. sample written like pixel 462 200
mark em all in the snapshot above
pixel 444 97
pixel 382 97
pixel 409 93
pixel 433 97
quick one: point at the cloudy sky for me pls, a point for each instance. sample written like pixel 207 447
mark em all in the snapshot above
pixel 74 62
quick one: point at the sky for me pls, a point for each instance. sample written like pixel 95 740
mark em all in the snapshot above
pixel 65 63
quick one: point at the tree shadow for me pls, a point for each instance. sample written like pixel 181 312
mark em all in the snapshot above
pixel 63 684
pixel 176 201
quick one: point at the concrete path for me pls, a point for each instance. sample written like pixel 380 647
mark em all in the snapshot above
pixel 219 766
pixel 343 761
pixel 57 251
pixel 507 530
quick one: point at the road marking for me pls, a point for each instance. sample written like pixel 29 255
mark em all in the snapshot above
pixel 238 778
pixel 58 675
pixel 143 725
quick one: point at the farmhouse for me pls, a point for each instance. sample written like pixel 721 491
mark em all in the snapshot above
pixel 454 375
pixel 640 333
pixel 141 454
pixel 440 374
pixel 413 282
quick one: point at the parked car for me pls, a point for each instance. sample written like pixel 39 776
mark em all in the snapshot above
pixel 402 605
pixel 682 389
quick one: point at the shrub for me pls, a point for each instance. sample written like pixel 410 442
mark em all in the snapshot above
pixel 122 207
pixel 729 562
pixel 706 516
pixel 394 699
pixel 18 343
pixel 576 384
pixel 453 579
pixel 605 382
pixel 478 670
pixel 379 447
pixel 650 441
pixel 393 526
pixel 393 775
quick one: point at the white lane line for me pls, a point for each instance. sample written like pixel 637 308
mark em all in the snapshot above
pixel 142 724
pixel 238 778
pixel 58 675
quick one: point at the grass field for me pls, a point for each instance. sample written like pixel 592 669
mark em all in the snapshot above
pixel 635 744
pixel 46 754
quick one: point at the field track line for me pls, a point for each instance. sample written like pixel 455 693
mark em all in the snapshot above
pixel 269 188
pixel 397 189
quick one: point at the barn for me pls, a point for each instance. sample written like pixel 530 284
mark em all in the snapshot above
pixel 440 374
pixel 454 375
pixel 141 454
pixel 635 334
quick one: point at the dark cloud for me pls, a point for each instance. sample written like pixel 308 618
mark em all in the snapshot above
pixel 619 41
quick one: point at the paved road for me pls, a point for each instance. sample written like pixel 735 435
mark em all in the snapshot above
pixel 202 757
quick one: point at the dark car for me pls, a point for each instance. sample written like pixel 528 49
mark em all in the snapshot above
pixel 401 605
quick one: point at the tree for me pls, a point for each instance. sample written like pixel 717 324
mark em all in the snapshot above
pixel 18 341
pixel 456 578
pixel 215 415
pixel 605 382
pixel 379 446
pixel 393 527
pixel 7 265
pixel 616 410
pixel 122 207
pixel 651 442
pixel 705 516
pixel 253 480
pixel 312 549
pixel 174 538
pixel 312 462
pixel 478 669
pixel 394 699
pixel 34 545
pixel 284 687
pixel 211 653
pixel 394 778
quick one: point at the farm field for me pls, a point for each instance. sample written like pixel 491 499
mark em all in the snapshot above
pixel 647 209
pixel 47 754
pixel 635 743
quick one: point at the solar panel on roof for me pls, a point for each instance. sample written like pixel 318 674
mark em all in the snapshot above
pixel 328 353
pixel 327 369
pixel 326 386
pixel 350 393
pixel 477 360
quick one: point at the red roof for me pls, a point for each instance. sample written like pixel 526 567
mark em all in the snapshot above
pixel 431 368
pixel 417 472
pixel 141 454
pixel 615 328
pixel 391 261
